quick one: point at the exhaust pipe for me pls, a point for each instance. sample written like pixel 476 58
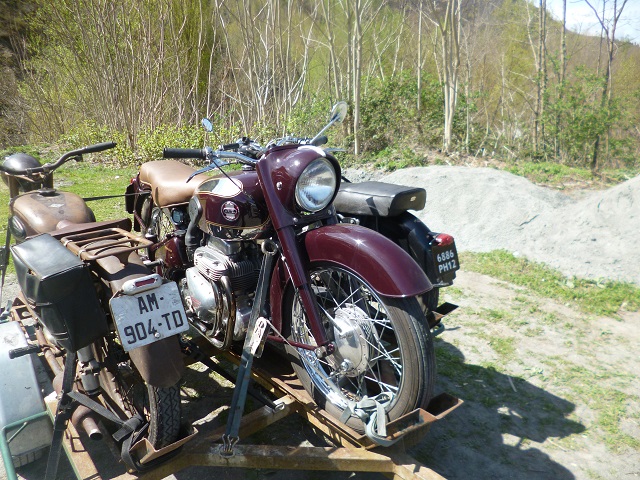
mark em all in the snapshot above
pixel 84 417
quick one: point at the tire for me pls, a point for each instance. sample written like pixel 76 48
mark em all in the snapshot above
pixel 127 394
pixel 370 326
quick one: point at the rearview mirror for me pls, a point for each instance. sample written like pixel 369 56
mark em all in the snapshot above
pixel 338 112
pixel 208 126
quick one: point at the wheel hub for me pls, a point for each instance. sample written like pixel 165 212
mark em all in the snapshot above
pixel 354 336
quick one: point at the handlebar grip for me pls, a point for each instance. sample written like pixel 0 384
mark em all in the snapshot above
pixel 320 141
pixel 229 146
pixel 99 147
pixel 22 351
pixel 183 153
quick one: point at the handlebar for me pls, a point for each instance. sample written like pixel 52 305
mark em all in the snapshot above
pixel 320 141
pixel 245 151
pixel 229 146
pixel 98 147
pixel 184 153
pixel 50 167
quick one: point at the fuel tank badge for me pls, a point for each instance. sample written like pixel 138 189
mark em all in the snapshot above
pixel 230 211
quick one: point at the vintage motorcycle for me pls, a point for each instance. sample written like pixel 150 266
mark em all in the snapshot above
pixel 264 240
pixel 88 295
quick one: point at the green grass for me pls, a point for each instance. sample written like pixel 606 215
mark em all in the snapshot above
pixel 599 297
pixel 610 405
pixel 549 172
pixel 558 175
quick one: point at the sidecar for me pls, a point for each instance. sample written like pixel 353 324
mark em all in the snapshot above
pixel 25 427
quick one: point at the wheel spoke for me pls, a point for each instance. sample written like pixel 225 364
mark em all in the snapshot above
pixel 338 291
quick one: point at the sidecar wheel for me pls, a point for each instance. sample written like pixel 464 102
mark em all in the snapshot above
pixel 126 394
pixel 381 346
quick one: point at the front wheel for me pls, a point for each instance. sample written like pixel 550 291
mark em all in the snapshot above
pixel 381 346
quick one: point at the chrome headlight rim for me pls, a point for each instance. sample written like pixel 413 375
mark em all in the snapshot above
pixel 314 197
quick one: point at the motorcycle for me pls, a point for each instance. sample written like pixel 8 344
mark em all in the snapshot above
pixel 264 241
pixel 87 296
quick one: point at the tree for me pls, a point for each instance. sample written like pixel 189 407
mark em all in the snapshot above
pixel 446 15
pixel 609 29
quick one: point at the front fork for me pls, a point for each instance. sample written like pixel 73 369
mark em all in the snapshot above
pixel 302 282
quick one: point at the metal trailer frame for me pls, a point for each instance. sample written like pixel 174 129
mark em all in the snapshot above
pixel 352 451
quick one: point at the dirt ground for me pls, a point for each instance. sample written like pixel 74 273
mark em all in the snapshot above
pixel 549 391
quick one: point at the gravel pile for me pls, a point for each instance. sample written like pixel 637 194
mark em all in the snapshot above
pixel 595 236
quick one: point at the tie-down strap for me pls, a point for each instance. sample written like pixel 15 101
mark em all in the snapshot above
pixel 371 410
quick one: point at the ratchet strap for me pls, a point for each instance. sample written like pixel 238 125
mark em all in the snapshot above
pixel 371 410
pixel 130 432
pixel 63 414
pixel 253 345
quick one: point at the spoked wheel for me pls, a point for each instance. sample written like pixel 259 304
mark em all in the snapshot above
pixel 381 346
pixel 127 394
pixel 161 223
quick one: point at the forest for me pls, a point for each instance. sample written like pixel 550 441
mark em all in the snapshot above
pixel 500 78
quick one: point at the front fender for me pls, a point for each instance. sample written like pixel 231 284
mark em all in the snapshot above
pixel 386 267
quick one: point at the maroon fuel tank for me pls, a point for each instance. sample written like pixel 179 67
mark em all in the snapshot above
pixel 47 210
pixel 233 207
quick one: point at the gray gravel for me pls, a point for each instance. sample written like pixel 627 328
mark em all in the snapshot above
pixel 594 236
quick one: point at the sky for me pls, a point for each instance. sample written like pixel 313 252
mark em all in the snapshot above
pixel 580 17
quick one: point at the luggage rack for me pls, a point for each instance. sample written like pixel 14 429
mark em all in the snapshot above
pixel 96 244
pixel 351 451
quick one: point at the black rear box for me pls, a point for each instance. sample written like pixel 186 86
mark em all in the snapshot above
pixel 58 287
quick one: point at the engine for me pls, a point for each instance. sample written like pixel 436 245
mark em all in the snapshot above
pixel 220 287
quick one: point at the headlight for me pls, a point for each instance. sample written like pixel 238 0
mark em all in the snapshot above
pixel 316 185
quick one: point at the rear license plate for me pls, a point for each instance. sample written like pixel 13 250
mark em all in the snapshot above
pixel 149 316
pixel 446 260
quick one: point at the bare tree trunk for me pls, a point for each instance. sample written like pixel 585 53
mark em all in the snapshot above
pixel 448 24
pixel 563 74
pixel 610 32
pixel 357 73
pixel 419 62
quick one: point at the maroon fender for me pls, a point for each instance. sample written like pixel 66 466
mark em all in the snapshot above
pixel 386 267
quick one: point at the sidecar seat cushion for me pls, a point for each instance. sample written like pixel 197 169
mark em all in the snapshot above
pixel 378 199
pixel 168 182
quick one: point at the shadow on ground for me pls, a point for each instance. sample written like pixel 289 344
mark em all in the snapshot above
pixel 495 433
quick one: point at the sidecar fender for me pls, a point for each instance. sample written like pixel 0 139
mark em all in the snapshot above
pixel 386 267
pixel 161 363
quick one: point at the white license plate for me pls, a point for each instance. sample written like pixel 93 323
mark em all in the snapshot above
pixel 149 316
